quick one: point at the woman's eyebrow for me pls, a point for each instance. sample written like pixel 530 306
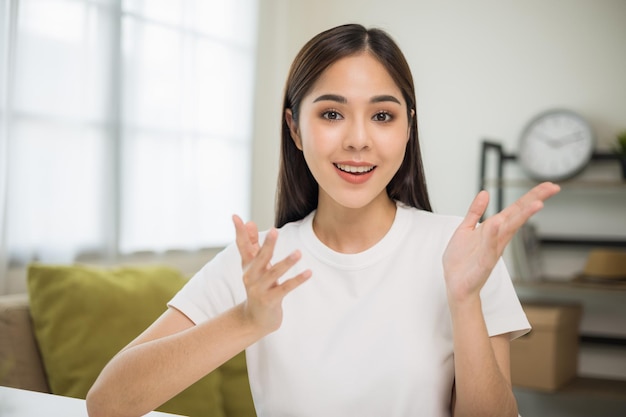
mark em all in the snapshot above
pixel 341 99
pixel 331 97
pixel 379 99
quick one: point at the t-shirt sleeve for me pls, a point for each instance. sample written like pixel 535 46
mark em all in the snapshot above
pixel 217 287
pixel 501 307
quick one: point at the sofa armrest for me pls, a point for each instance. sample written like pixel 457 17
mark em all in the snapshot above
pixel 20 361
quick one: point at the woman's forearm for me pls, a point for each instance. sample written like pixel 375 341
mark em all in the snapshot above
pixel 481 387
pixel 149 372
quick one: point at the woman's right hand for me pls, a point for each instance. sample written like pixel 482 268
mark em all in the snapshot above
pixel 263 306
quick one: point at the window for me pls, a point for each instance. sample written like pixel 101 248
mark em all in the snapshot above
pixel 125 125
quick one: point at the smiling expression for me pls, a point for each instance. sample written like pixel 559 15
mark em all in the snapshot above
pixel 353 130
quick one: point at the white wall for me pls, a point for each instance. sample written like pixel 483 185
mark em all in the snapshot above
pixel 482 69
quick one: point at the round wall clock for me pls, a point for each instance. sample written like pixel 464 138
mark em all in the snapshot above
pixel 555 145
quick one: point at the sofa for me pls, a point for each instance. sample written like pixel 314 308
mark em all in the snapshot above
pixel 59 335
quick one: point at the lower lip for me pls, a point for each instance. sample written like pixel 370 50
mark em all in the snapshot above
pixel 355 178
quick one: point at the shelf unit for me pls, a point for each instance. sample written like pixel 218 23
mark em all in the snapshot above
pixel 493 158
pixel 500 183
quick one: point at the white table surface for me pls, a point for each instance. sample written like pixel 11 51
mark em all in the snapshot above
pixel 21 403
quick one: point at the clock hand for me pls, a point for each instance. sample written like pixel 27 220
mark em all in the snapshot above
pixel 551 142
pixel 569 138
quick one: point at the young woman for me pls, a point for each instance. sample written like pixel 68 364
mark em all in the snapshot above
pixel 361 302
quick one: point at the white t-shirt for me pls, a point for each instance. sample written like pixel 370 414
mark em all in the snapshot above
pixel 369 334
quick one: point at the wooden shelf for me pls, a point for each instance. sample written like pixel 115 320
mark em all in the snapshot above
pixel 578 183
pixel 598 155
pixel 558 285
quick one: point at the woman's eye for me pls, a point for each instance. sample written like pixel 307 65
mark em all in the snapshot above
pixel 382 116
pixel 331 115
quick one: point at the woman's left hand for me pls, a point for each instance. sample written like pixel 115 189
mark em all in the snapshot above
pixel 475 248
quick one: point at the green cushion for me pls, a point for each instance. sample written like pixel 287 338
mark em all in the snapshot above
pixel 235 388
pixel 84 315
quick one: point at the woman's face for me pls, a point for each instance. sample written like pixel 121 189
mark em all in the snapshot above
pixel 353 129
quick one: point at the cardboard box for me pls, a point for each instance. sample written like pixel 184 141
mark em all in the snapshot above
pixel 547 357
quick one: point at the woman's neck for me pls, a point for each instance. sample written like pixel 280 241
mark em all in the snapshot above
pixel 348 230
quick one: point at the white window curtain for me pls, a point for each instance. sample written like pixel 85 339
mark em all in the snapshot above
pixel 125 125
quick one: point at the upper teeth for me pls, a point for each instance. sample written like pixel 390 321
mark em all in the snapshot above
pixel 353 169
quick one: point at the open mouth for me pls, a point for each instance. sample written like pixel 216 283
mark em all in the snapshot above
pixel 351 169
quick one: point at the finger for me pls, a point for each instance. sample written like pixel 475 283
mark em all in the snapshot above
pixel 294 282
pixel 490 242
pixel 264 254
pixel 253 233
pixel 539 193
pixel 476 210
pixel 242 240
pixel 247 239
pixel 545 190
pixel 514 216
pixel 274 273
pixel 240 232
pixel 529 204
pixel 260 263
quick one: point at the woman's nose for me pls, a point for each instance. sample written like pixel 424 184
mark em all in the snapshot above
pixel 357 136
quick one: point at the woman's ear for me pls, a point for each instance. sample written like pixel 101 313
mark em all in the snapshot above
pixel 408 132
pixel 293 128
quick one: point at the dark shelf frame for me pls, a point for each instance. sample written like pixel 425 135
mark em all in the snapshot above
pixel 489 146
pixel 602 340
pixel 582 241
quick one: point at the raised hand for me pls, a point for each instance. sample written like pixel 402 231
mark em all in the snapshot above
pixel 265 294
pixel 475 248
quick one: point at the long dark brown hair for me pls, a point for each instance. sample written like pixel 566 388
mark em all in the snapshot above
pixel 297 191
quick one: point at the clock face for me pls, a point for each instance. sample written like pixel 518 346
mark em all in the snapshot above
pixel 555 145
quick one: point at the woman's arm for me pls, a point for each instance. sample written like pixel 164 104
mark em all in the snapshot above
pixel 482 375
pixel 168 357
pixel 482 371
pixel 173 353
